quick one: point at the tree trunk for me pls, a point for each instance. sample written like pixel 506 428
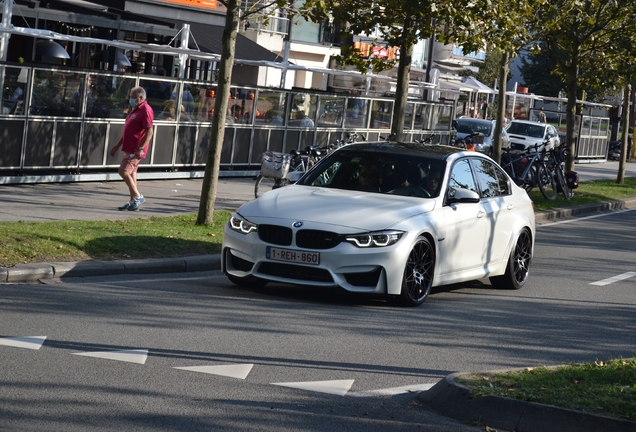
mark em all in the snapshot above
pixel 501 106
pixel 213 162
pixel 402 87
pixel 626 115
pixel 571 135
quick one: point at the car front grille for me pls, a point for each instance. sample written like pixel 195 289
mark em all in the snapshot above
pixel 315 239
pixel 275 234
pixel 297 272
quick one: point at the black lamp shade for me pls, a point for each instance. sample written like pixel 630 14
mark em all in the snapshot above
pixel 48 48
pixel 120 59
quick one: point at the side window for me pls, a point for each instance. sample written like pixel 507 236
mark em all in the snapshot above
pixel 491 181
pixel 504 182
pixel 461 177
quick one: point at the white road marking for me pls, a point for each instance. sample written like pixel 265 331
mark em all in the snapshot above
pixel 28 342
pixel 583 218
pixel 613 279
pixel 233 371
pixel 336 387
pixel 131 356
pixel 392 391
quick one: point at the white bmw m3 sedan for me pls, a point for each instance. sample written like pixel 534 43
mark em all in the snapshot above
pixel 387 218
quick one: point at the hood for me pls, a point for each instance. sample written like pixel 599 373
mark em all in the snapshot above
pixel 334 207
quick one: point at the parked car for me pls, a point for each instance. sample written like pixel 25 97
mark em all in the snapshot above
pixel 524 134
pixel 386 218
pixel 467 126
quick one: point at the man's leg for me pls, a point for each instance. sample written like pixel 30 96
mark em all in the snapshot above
pixel 128 172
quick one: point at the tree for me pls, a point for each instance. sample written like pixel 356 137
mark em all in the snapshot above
pixel 232 19
pixel 536 69
pixel 582 35
pixel 488 70
pixel 503 27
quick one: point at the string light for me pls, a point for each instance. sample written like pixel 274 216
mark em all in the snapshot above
pixel 75 29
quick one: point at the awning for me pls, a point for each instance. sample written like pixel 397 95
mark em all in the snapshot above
pixel 208 38
pixel 477 85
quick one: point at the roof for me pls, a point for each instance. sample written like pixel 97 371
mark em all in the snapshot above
pixel 434 151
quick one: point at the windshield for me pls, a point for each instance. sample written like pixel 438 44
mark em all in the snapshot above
pixel 378 172
pixel 470 126
pixel 530 130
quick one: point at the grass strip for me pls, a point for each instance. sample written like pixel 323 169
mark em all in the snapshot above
pixel 589 192
pixel 601 387
pixel 154 237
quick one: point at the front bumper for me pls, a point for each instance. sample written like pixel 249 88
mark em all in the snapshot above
pixel 362 270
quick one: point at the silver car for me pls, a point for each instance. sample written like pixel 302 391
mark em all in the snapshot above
pixel 525 134
pixel 467 125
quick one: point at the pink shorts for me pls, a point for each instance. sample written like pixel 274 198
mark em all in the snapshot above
pixel 129 165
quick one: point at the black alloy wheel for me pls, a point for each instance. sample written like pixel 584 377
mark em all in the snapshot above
pixel 418 273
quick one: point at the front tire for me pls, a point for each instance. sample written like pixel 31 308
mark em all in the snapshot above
pixel 518 264
pixel 266 184
pixel 419 270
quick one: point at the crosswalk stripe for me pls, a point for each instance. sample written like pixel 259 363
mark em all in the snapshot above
pixel 336 387
pixel 240 371
pixel 132 356
pixel 613 279
pixel 28 342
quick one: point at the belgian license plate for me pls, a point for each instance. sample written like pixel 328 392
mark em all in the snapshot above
pixel 289 255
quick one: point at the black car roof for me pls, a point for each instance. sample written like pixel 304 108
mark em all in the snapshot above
pixel 434 151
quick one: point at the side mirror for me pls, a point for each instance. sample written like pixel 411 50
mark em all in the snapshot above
pixel 461 195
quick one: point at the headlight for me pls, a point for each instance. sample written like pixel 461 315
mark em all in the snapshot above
pixel 241 225
pixel 374 239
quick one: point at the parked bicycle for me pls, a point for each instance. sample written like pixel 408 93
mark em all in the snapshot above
pixel 565 182
pixel 530 169
pixel 281 169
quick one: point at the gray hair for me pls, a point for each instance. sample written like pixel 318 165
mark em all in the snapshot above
pixel 139 92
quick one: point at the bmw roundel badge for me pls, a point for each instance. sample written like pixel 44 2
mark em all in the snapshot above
pixel 297 224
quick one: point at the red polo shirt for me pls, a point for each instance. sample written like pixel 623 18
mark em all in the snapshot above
pixel 137 122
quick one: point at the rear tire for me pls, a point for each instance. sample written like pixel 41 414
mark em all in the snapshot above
pixel 547 182
pixel 518 265
pixel 563 184
pixel 419 270
pixel 266 184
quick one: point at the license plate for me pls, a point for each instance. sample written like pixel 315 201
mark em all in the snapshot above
pixel 289 255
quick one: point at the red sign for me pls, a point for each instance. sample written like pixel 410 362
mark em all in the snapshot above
pixel 206 4
pixel 367 50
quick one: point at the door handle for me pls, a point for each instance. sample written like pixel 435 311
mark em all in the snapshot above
pixel 480 214
pixel 510 206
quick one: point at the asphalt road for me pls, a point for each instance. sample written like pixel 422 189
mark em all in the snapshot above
pixel 347 354
pixel 99 200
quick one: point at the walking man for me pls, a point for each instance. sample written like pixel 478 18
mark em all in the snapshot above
pixel 134 143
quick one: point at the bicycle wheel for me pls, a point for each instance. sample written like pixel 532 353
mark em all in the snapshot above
pixel 265 184
pixel 531 179
pixel 547 182
pixel 563 184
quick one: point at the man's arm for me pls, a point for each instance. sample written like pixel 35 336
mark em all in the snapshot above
pixel 119 143
pixel 147 138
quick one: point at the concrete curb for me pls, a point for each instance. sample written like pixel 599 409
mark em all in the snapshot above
pixel 454 400
pixel 35 272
